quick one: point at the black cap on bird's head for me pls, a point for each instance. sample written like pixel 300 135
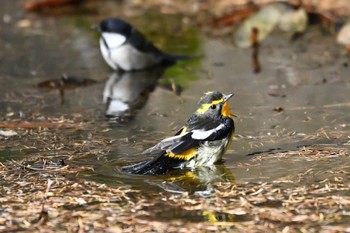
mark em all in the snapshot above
pixel 115 25
pixel 214 103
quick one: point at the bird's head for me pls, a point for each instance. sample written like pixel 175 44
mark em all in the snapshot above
pixel 214 104
pixel 114 32
pixel 114 25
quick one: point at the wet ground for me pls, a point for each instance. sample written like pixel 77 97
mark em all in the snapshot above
pixel 292 126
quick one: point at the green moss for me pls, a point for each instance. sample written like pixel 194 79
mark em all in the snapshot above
pixel 170 34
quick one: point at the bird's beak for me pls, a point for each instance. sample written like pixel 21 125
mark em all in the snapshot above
pixel 227 97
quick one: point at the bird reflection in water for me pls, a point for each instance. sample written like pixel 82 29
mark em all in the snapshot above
pixel 126 92
pixel 199 181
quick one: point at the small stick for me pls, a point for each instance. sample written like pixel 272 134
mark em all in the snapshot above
pixel 255 46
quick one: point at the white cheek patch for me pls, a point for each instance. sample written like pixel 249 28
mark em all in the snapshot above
pixel 113 40
pixel 201 134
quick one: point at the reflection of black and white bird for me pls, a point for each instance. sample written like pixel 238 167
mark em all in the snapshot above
pixel 125 92
pixel 125 48
pixel 201 142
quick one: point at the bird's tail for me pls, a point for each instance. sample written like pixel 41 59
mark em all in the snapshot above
pixel 156 166
pixel 171 59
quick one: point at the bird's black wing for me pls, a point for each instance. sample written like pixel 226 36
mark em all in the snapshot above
pixel 156 166
pixel 138 40
pixel 192 134
pixel 163 160
pixel 217 132
pixel 173 151
pixel 175 144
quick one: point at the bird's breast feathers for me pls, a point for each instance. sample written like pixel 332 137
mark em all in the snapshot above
pixel 208 153
pixel 113 40
pixel 119 54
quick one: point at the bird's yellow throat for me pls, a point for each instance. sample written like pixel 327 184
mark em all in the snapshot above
pixel 225 111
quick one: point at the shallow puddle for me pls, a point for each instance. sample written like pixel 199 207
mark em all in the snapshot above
pixel 307 80
pixel 299 99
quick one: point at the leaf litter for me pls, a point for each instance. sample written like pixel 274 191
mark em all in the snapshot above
pixel 42 194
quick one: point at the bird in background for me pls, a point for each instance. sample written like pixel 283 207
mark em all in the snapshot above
pixel 202 141
pixel 123 47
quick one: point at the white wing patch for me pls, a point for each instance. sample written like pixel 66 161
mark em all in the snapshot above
pixel 113 40
pixel 200 134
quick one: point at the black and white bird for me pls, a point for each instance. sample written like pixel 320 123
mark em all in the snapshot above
pixel 202 141
pixel 125 48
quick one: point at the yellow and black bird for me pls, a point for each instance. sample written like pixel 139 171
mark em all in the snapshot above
pixel 201 142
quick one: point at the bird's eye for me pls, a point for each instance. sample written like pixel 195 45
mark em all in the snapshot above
pixel 213 107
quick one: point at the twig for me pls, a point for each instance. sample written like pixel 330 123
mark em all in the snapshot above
pixel 40 169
